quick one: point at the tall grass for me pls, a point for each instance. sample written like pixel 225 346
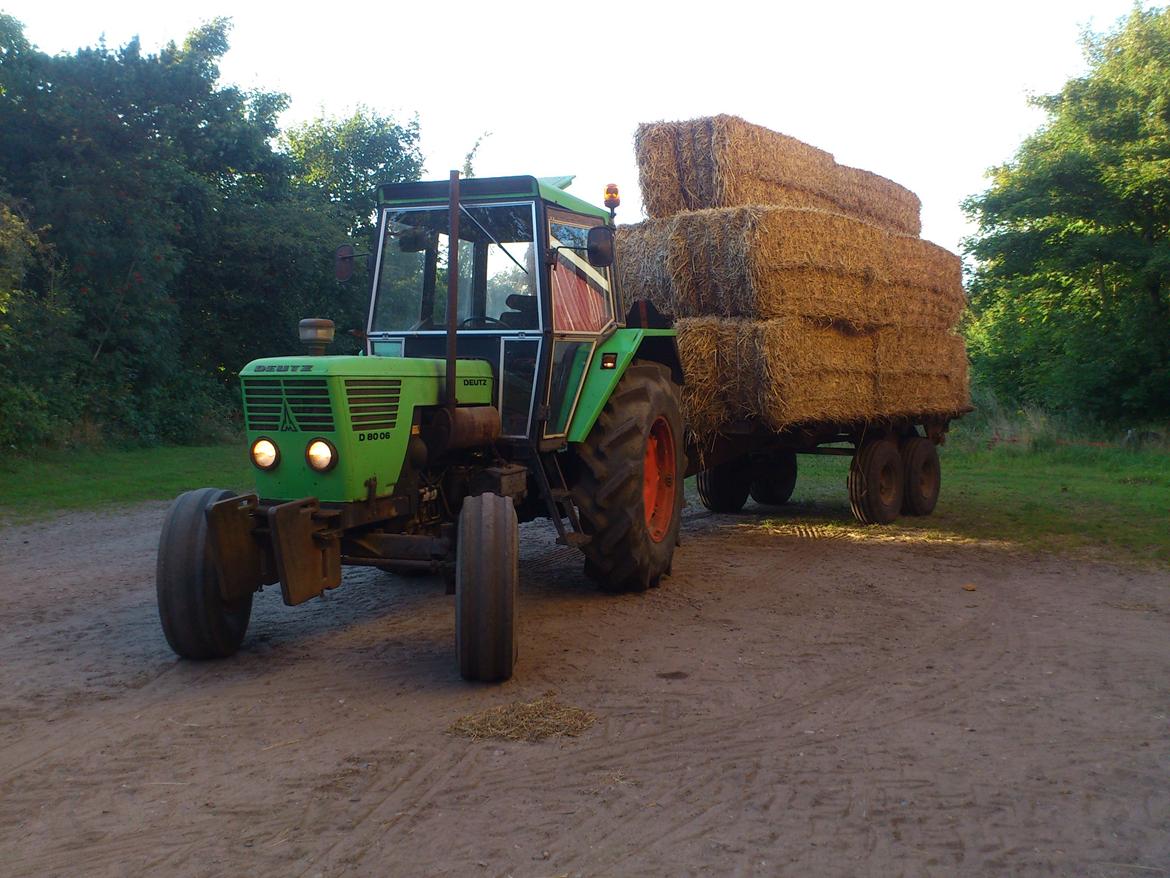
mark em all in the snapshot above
pixel 996 422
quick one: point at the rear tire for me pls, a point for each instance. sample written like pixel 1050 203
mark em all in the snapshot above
pixel 725 488
pixel 197 622
pixel 775 479
pixel 629 486
pixel 487 580
pixel 876 483
pixel 923 476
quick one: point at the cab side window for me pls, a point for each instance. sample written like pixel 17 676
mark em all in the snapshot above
pixel 580 292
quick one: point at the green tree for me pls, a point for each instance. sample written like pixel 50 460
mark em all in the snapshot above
pixel 345 159
pixel 155 238
pixel 1070 293
pixel 469 159
pixel 37 397
pixel 124 159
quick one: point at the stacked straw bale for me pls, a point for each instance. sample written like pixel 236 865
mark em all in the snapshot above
pixel 921 372
pixel 788 371
pixel 762 262
pixel 800 289
pixel 723 161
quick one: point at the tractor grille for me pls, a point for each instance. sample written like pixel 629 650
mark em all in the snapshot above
pixel 287 405
pixel 373 402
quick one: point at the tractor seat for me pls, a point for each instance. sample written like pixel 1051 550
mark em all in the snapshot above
pixel 523 313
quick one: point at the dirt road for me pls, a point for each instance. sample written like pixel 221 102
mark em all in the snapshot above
pixel 784 705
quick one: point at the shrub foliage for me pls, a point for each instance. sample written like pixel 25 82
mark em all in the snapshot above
pixel 157 233
pixel 1070 294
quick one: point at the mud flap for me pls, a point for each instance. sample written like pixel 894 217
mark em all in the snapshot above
pixel 243 561
pixel 308 557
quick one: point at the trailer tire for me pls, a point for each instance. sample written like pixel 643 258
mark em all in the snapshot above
pixel 487 577
pixel 628 489
pixel 725 488
pixel 876 482
pixel 775 479
pixel 197 622
pixel 923 476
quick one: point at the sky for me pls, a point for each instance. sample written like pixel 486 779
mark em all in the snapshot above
pixel 930 94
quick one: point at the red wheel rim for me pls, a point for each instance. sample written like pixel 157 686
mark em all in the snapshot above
pixel 658 477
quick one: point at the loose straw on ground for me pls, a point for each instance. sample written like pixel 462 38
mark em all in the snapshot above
pixel 536 720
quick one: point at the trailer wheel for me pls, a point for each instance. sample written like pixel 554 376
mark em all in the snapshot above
pixel 725 488
pixel 629 487
pixel 486 585
pixel 923 476
pixel 876 482
pixel 197 622
pixel 775 479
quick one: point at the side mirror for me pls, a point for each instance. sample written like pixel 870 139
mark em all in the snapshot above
pixel 343 263
pixel 600 246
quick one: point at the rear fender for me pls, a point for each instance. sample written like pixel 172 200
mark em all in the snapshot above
pixel 626 345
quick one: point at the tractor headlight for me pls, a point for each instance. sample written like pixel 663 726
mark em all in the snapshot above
pixel 321 455
pixel 265 454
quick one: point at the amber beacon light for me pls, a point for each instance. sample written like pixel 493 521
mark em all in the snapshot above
pixel 612 198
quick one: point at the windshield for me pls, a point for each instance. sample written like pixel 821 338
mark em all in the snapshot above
pixel 497 269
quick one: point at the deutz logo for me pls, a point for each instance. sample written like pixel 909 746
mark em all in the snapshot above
pixel 287 423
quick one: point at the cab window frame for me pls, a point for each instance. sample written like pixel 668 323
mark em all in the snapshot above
pixel 555 216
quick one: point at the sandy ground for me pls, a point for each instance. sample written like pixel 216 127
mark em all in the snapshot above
pixel 784 705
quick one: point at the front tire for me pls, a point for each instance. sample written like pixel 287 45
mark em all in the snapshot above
pixel 197 622
pixel 629 487
pixel 487 577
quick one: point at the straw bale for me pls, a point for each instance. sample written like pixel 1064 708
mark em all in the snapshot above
pixel 724 161
pixel 642 267
pixel 793 370
pixel 773 262
pixel 780 371
pixel 662 188
pixel 921 373
pixel 719 359
pixel 810 372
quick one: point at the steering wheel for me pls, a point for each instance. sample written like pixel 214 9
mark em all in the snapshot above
pixel 482 319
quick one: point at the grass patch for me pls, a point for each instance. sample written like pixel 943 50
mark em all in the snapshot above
pixel 1107 502
pixel 50 482
pixel 1103 502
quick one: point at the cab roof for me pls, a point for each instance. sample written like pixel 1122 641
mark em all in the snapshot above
pixel 490 189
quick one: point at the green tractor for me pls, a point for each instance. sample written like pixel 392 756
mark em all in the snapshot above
pixel 503 380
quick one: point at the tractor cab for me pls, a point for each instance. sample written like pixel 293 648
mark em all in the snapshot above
pixel 534 299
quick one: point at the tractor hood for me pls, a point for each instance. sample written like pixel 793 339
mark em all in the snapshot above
pixel 375 367
pixel 362 407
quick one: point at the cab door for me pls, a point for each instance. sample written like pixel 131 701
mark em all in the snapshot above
pixel 582 313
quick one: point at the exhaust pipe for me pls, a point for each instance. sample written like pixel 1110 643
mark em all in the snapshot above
pixel 452 288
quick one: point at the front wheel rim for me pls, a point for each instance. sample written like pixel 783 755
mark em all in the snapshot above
pixel 658 479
